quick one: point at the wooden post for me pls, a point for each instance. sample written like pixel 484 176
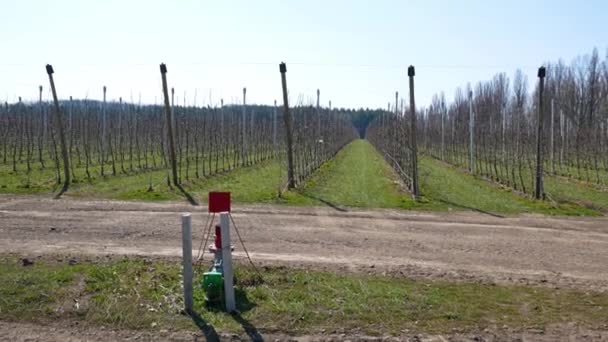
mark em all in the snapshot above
pixel 397 103
pixel 291 182
pixel 59 124
pixel 504 133
pixel 173 116
pixel 471 134
pixel 551 144
pixel 274 128
pixel 442 133
pixel 562 136
pixel 538 189
pixel 169 118
pixel 103 130
pixel 244 129
pixel 319 137
pixel 415 191
pixel 251 151
pixel 44 117
pixel 425 128
pixel 319 113
pixel 187 262
pixel 223 140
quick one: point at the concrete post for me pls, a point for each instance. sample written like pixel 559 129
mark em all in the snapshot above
pixel 187 261
pixel 227 262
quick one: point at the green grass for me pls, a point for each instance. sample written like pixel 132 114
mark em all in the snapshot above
pixel 356 177
pixel 139 294
pixel 570 191
pixel 443 185
pixel 359 177
pixel 258 183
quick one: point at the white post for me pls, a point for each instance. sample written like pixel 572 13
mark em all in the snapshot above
pixel 471 134
pixel 227 262
pixel 187 261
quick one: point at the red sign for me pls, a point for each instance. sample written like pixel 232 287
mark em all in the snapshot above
pixel 219 202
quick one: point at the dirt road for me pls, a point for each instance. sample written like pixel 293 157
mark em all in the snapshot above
pixel 561 252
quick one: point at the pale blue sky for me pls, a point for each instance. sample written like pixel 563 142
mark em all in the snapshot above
pixel 356 52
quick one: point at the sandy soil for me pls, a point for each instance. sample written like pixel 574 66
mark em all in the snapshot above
pixel 529 249
pixel 551 251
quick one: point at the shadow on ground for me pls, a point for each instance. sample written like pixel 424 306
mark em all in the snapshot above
pixel 189 197
pixel 207 329
pixel 326 202
pixel 243 304
pixel 470 208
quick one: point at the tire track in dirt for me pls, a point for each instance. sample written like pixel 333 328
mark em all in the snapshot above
pixel 552 251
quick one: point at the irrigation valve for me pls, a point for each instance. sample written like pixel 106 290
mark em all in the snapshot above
pixel 218 282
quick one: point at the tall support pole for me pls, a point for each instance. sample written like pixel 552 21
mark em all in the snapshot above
pixel 169 118
pixel 173 113
pixel 551 143
pixel 471 134
pixel 562 137
pixel 538 189
pixel 224 140
pixel 274 127
pixel 291 181
pixel 103 130
pixel 187 262
pixel 319 113
pixel 319 136
pixel 425 128
pixel 442 134
pixel 415 191
pixel 59 124
pixel 503 111
pixel 397 103
pixel 44 116
pixel 244 128
pixel 70 115
pixel 42 137
pixel 227 262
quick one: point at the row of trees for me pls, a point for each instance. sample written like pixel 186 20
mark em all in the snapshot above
pixel 394 134
pixel 112 138
pixel 491 128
